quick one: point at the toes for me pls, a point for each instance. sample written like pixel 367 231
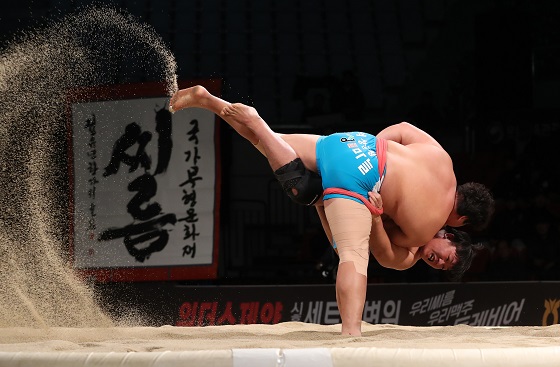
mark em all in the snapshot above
pixel 227 111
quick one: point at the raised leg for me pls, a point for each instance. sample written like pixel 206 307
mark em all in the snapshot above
pixel 244 119
pixel 199 97
pixel 275 148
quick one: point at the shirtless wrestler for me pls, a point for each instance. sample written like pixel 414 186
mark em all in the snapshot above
pixel 293 158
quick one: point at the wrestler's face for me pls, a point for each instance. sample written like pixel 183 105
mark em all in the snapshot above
pixel 439 252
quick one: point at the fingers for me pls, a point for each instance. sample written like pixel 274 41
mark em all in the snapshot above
pixel 375 199
pixel 227 110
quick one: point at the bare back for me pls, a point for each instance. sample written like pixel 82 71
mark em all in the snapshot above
pixel 418 191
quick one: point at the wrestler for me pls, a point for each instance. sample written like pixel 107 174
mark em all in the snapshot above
pixel 296 157
pixel 450 249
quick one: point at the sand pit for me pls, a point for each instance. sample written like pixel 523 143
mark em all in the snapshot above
pixel 300 343
pixel 283 335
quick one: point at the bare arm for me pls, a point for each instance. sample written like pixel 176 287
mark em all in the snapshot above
pixel 382 247
pixel 398 237
pixel 405 134
pixel 387 253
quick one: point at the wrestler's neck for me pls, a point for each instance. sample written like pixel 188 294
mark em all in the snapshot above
pixel 454 219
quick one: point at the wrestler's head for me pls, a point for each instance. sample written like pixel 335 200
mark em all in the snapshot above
pixel 450 250
pixel 474 205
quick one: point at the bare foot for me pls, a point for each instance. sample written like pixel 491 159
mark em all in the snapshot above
pixel 196 96
pixel 241 114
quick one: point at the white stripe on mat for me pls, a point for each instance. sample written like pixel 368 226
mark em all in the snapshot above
pixel 308 357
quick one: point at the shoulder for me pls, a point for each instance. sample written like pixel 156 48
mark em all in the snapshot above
pixel 437 155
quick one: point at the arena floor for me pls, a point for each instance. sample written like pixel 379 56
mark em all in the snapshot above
pixel 289 344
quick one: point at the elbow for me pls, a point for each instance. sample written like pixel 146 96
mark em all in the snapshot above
pixel 391 264
pixel 385 260
pixel 405 124
pixel 400 267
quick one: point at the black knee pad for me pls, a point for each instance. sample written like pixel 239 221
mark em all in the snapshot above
pixel 308 184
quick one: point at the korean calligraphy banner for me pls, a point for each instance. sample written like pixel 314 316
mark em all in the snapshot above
pixel 144 185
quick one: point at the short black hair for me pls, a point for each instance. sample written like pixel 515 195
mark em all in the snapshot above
pixel 475 201
pixel 465 251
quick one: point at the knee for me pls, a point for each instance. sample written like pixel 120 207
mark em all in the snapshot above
pixel 302 186
pixel 356 255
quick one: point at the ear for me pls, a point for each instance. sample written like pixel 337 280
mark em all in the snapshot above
pixel 441 234
pixel 463 219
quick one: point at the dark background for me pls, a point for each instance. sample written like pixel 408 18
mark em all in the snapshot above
pixel 481 76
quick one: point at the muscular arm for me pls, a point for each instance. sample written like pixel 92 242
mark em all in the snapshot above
pixel 385 251
pixel 405 134
pixel 398 237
